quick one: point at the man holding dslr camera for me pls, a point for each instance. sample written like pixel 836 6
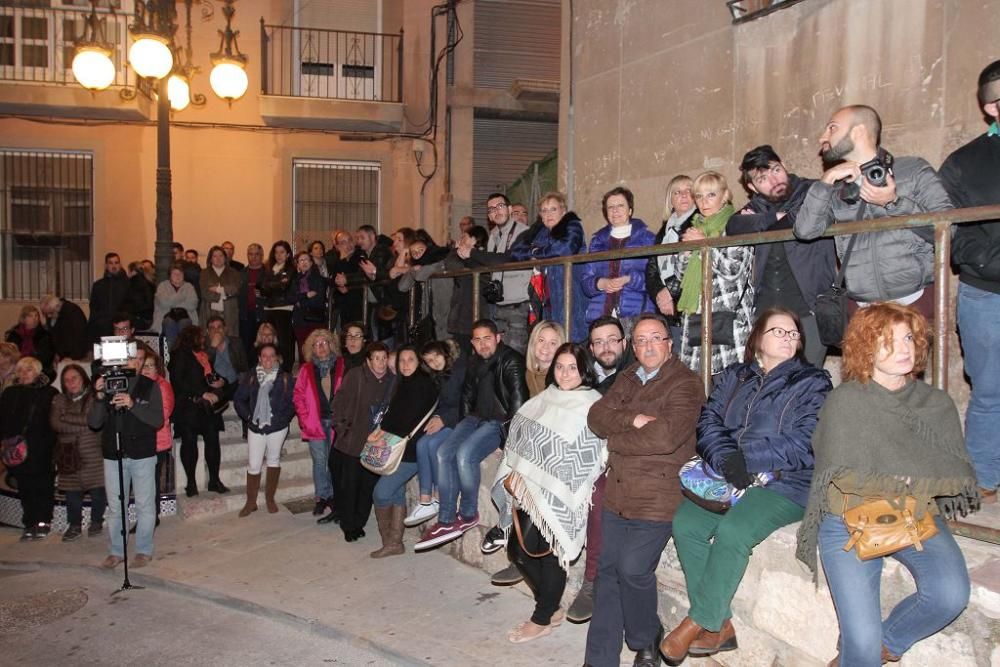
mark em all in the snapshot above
pixel 129 417
pixel 866 182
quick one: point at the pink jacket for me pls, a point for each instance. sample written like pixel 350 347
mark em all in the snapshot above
pixel 164 437
pixel 306 400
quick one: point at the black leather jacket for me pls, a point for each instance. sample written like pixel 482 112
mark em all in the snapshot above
pixel 509 386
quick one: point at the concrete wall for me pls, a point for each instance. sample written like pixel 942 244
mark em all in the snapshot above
pixel 661 88
pixel 232 174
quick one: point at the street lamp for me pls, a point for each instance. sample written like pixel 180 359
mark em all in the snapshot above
pixel 152 56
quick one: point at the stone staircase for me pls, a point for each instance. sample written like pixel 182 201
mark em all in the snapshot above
pixel 296 473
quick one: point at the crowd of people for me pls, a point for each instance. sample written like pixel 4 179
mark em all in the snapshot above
pixel 608 439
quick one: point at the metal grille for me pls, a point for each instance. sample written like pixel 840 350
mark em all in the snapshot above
pixel 333 195
pixel 46 224
pixel 502 150
pixel 516 39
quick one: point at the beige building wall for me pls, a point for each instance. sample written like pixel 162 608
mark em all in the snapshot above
pixel 661 88
pixel 231 172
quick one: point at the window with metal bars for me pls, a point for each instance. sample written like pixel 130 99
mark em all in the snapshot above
pixel 46 224
pixel 333 195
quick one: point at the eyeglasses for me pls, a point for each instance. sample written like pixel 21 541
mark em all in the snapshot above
pixel 354 336
pixel 322 342
pixel 496 209
pixel 652 340
pixel 549 210
pixel 605 342
pixel 123 330
pixel 778 332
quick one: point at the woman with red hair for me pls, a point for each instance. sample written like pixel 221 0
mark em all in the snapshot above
pixel 885 436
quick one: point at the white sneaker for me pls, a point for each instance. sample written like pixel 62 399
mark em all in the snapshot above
pixel 422 513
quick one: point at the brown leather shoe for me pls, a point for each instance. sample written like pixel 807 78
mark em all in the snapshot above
pixel 675 646
pixel 142 560
pixel 708 642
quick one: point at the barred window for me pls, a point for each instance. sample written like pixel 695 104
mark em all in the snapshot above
pixel 333 195
pixel 46 224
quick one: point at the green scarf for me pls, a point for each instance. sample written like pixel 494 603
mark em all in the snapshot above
pixel 712 226
pixel 906 442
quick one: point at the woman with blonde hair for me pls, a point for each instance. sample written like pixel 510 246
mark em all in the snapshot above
pixel 888 446
pixel 9 354
pixel 545 337
pixel 312 398
pixel 732 295
pixel 663 276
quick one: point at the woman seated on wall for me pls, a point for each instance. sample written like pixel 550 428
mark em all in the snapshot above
pixel 755 428
pixel 888 445
pixel 551 461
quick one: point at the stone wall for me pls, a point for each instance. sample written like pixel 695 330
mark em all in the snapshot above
pixel 782 619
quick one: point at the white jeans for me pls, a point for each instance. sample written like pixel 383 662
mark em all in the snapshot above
pixel 261 445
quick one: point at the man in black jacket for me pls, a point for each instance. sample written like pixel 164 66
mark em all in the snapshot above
pixel 106 297
pixel 493 391
pixel 67 324
pixel 970 176
pixel 133 417
pixel 789 274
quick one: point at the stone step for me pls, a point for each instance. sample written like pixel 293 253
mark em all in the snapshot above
pixel 294 465
pixel 207 504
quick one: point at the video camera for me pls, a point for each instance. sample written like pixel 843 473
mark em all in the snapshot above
pixel 114 353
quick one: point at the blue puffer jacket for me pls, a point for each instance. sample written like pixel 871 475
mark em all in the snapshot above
pixel 632 299
pixel 769 418
pixel 282 408
pixel 565 239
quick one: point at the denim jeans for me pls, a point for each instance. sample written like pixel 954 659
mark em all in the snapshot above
pixel 140 475
pixel 942 581
pixel 391 489
pixel 319 450
pixel 427 449
pixel 979 327
pixel 458 459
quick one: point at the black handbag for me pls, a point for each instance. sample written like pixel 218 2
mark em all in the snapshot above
pixel 831 306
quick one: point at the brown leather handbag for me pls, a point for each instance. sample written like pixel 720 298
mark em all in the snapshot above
pixel 880 527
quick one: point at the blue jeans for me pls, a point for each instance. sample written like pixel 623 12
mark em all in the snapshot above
pixel 140 475
pixel 942 593
pixel 391 489
pixel 979 326
pixel 458 459
pixel 625 598
pixel 427 449
pixel 319 450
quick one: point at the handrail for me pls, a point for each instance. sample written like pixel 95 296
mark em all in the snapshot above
pixel 941 221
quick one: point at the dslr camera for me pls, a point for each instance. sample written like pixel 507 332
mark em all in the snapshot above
pixel 493 291
pixel 876 171
pixel 114 353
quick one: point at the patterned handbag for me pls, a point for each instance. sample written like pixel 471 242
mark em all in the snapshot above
pixel 383 454
pixel 708 489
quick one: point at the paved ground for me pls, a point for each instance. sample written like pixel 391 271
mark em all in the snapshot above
pixel 269 590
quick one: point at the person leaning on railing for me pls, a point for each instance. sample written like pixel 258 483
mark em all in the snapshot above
pixel 885 435
pixel 732 293
pixel 663 272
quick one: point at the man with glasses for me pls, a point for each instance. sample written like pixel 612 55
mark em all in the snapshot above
pixel 494 389
pixel 791 274
pixel 510 308
pixel 970 176
pixel 648 417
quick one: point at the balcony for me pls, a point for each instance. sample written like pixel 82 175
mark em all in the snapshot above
pixel 331 79
pixel 36 56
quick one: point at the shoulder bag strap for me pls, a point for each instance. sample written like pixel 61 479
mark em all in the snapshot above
pixel 838 282
pixel 423 421
pixel 520 536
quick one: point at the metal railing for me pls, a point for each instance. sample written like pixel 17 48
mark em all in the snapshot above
pixel 748 10
pixel 37 43
pixel 331 64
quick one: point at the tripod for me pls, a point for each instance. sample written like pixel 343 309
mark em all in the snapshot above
pixel 120 455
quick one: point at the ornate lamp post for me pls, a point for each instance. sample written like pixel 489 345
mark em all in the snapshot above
pixel 154 55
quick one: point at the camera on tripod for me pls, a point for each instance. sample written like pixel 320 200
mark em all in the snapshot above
pixel 114 353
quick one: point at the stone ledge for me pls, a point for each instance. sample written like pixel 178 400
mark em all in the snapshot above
pixel 777 593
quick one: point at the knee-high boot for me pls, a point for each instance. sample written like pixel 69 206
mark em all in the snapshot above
pixel 392 543
pixel 271 486
pixel 253 487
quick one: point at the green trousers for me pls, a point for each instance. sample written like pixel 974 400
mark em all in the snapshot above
pixel 714 549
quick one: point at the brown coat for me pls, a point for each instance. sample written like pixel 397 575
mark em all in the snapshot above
pixel 230 282
pixel 352 407
pixel 644 463
pixel 69 421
